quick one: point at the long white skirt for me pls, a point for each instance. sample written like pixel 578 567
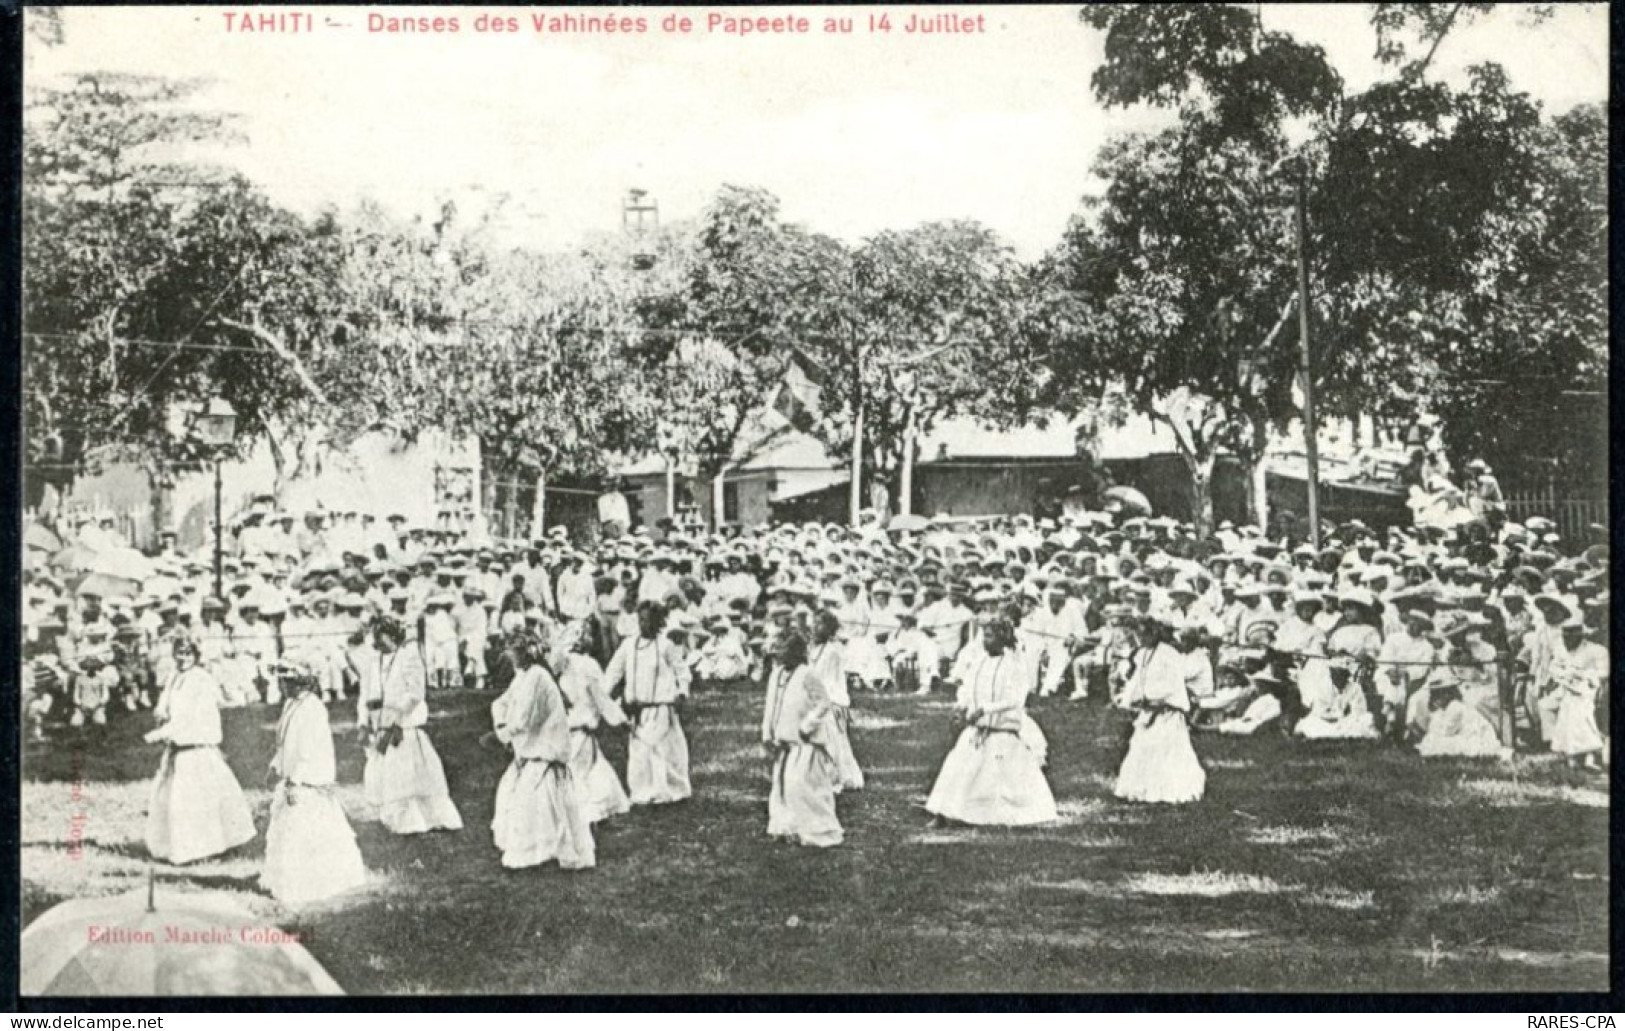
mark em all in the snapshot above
pixel 657 757
pixel 1354 727
pixel 310 850
pixel 848 774
pixel 865 657
pixel 407 785
pixel 801 805
pixel 598 787
pixel 538 818
pixel 1161 765
pixel 993 778
pixel 1472 735
pixel 197 808
pixel 1574 732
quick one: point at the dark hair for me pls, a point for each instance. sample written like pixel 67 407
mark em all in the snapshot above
pixel 526 649
pixel 826 622
pixel 390 629
pixel 792 649
pixel 1443 696
pixel 301 681
pixel 1001 624
pixel 654 608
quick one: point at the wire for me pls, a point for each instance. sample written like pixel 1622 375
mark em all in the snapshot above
pixel 636 332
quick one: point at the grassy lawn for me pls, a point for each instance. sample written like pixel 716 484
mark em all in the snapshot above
pixel 1309 866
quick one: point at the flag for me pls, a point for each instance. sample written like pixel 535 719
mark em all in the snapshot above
pixel 797 399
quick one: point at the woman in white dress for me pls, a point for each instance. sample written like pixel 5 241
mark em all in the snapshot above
pixel 1345 715
pixel 995 773
pixel 197 808
pixel 1160 765
pixel 581 679
pixel 538 817
pixel 826 657
pixel 310 850
pixel 795 723
pixel 1454 727
pixel 404 779
pixel 865 658
pixel 1578 670
pixel 653 679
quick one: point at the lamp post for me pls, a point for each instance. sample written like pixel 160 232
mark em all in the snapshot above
pixel 640 214
pixel 216 428
pixel 1310 445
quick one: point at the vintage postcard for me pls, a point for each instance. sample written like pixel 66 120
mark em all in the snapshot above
pixel 1102 498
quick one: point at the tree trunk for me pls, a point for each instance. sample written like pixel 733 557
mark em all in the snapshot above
pixel 719 498
pixel 1253 461
pixel 905 486
pixel 279 462
pixel 163 502
pixel 1200 467
pixel 538 512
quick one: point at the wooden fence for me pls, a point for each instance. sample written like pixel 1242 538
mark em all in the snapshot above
pixel 1571 514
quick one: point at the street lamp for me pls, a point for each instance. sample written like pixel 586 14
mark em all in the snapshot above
pixel 640 213
pixel 215 428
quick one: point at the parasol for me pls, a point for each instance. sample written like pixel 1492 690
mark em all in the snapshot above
pixel 125 563
pixel 1128 497
pixel 75 558
pixel 191 944
pixel 105 586
pixel 38 538
pixel 908 524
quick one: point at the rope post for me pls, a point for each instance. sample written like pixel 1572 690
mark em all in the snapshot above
pixel 1509 718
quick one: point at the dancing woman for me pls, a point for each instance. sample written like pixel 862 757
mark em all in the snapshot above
pixel 994 774
pixel 197 808
pixel 795 725
pixel 538 816
pixel 654 678
pixel 1161 765
pixel 404 779
pixel 581 680
pixel 828 663
pixel 310 850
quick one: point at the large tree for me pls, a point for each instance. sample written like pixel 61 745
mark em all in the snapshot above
pixel 1182 276
pixel 720 341
pixel 917 326
pixel 156 282
pixel 530 355
pixel 1418 193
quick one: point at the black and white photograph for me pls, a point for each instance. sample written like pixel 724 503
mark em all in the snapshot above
pixel 629 500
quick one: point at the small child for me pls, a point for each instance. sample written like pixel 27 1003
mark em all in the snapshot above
pixel 440 643
pixel 91 690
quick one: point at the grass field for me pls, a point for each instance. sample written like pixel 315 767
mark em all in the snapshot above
pixel 1309 866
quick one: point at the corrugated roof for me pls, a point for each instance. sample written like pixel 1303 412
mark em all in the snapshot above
pixel 786 448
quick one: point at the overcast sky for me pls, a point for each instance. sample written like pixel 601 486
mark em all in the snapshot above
pixel 854 134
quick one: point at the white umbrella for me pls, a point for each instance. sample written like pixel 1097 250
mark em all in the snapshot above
pixel 125 563
pixel 125 945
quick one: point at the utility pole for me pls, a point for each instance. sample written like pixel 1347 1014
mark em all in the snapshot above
pixel 671 485
pixel 219 533
pixel 1311 448
pixel 857 451
pixel 857 415
pixel 905 503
